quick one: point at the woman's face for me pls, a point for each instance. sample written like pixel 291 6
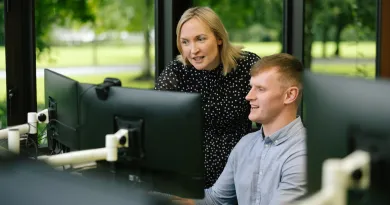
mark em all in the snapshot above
pixel 199 45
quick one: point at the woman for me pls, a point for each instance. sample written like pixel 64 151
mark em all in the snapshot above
pixel 209 64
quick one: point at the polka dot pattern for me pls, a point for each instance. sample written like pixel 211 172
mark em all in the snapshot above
pixel 225 108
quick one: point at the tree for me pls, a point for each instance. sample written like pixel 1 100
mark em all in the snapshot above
pixel 2 25
pixel 343 17
pixel 240 15
pixel 338 15
pixel 131 16
pixel 57 12
pixel 144 22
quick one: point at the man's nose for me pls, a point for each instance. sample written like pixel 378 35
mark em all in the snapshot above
pixel 250 95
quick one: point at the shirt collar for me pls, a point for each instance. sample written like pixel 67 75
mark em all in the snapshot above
pixel 284 133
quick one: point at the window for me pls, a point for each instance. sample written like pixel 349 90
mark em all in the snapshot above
pixel 255 24
pixel 91 40
pixel 340 37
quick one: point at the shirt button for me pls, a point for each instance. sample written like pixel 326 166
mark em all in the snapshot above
pixel 261 172
pixel 276 141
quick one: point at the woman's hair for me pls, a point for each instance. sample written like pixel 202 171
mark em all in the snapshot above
pixel 228 53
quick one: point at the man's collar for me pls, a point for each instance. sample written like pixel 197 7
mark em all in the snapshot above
pixel 282 134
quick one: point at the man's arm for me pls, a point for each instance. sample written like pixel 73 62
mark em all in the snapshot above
pixel 223 191
pixel 293 180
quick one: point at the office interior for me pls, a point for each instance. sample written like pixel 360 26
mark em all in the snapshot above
pixel 23 49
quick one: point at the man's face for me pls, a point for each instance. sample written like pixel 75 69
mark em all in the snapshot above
pixel 266 97
pixel 199 45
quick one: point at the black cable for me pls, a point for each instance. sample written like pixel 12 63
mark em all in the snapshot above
pixel 82 94
pixel 63 124
pixel 29 126
pixel 35 146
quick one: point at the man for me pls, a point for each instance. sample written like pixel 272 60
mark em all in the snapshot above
pixel 268 166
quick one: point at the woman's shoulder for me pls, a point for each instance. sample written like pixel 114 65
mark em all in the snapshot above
pixel 175 65
pixel 247 60
pixel 249 56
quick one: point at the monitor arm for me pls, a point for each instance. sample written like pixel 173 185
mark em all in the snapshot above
pixel 109 153
pixel 13 133
pixel 338 175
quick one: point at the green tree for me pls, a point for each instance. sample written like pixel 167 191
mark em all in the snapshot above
pixel 143 21
pixel 240 15
pixel 338 15
pixel 127 15
pixel 2 25
pixel 57 12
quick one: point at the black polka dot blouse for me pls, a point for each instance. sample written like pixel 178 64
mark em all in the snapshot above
pixel 225 108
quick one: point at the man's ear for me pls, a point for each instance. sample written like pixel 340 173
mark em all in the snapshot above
pixel 291 95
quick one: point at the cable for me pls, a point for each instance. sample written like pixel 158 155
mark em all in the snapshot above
pixel 82 94
pixel 35 146
pixel 29 126
pixel 63 124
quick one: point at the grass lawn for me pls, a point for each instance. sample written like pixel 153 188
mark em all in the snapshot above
pixel 132 54
pixel 363 70
pixel 347 49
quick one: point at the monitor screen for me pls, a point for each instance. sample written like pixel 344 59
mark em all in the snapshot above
pixel 61 98
pixel 343 114
pixel 165 135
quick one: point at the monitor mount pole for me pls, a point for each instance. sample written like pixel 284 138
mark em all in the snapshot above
pixel 108 153
pixel 339 175
pixel 13 133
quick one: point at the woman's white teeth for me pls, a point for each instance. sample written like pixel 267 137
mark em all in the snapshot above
pixel 198 58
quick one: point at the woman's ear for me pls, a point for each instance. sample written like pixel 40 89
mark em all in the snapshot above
pixel 219 42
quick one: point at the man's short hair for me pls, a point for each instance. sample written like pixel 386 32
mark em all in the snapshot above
pixel 288 66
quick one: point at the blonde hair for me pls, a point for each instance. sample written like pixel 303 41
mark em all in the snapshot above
pixel 228 53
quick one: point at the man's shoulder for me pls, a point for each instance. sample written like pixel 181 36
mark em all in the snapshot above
pixel 249 138
pixel 299 134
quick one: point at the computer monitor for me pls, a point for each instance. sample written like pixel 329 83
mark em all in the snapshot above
pixel 165 139
pixel 165 130
pixel 343 114
pixel 27 181
pixel 61 98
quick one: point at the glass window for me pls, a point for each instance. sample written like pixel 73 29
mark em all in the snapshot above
pixel 255 24
pixel 91 40
pixel 3 84
pixel 340 37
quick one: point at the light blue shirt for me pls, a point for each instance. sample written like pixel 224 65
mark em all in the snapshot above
pixel 263 170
